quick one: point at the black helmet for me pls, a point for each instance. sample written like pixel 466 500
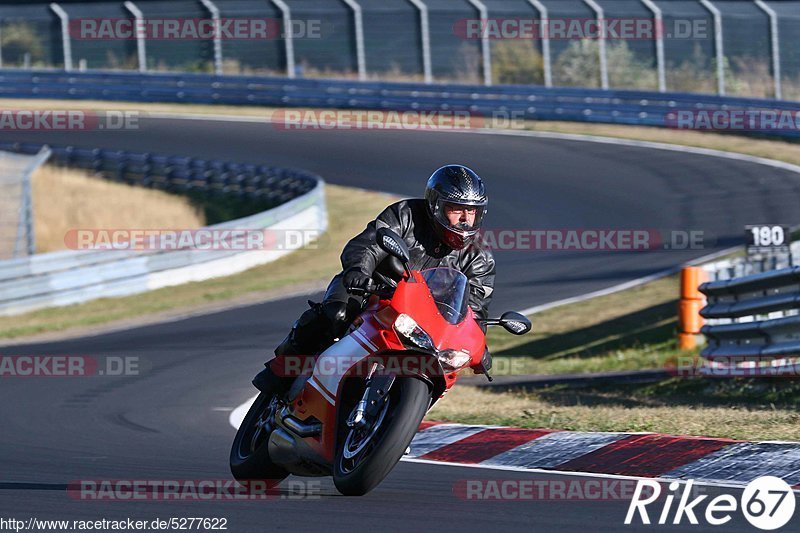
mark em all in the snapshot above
pixel 459 186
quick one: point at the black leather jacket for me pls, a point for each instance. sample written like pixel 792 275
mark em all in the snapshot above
pixel 410 220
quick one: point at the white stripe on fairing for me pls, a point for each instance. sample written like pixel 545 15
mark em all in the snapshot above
pixel 328 398
pixel 744 462
pixel 326 369
pixel 554 449
pixel 440 435
pixel 364 339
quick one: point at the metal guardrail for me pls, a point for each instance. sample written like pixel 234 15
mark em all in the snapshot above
pixel 273 185
pixel 740 266
pixel 642 108
pixel 75 276
pixel 756 296
pixel 17 235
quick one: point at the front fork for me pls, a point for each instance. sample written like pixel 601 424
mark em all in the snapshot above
pixel 371 402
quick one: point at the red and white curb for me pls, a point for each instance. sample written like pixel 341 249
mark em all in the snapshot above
pixel 635 455
pixel 640 455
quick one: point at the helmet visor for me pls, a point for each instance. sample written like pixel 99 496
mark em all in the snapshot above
pixel 462 218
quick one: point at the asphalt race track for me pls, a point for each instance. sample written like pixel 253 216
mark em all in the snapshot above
pixel 170 422
pixel 532 183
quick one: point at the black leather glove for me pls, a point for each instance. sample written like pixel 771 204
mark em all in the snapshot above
pixel 355 279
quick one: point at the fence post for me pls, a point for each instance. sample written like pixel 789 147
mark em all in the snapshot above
pixel 425 31
pixel 66 44
pixel 214 12
pixel 360 54
pixel 25 222
pixel 141 51
pixel 776 46
pixel 286 14
pixel 548 66
pixel 718 45
pixel 659 36
pixel 689 306
pixel 486 50
pixel 601 18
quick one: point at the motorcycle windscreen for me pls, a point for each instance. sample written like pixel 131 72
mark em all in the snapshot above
pixel 450 290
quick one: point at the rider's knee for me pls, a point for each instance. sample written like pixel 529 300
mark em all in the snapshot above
pixel 335 311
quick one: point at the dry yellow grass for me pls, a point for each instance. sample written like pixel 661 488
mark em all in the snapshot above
pixel 65 199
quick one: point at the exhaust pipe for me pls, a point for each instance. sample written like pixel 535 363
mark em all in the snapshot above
pixel 302 429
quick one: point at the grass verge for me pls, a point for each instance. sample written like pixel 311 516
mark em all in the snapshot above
pixel 629 330
pixel 738 409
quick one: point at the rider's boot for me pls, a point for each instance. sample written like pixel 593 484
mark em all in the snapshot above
pixel 302 340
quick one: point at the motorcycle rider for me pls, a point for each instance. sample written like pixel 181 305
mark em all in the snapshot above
pixel 440 231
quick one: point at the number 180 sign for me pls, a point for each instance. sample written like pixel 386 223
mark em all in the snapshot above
pixel 768 239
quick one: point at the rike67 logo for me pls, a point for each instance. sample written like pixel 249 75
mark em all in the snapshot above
pixel 767 503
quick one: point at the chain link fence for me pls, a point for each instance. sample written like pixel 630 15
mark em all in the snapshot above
pixel 732 47
pixel 16 206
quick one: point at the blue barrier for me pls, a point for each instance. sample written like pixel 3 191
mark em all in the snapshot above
pixel 530 102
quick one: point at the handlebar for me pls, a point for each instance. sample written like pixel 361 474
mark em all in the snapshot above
pixel 380 289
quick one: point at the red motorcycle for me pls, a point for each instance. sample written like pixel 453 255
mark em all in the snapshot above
pixel 354 408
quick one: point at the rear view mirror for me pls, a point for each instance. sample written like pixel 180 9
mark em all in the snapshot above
pixel 393 244
pixel 515 323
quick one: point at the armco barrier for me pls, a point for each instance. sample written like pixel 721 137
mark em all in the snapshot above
pixel 758 295
pixel 272 185
pixel 642 108
pixel 74 276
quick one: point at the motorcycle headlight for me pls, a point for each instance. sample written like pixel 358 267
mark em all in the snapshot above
pixel 410 333
pixel 454 359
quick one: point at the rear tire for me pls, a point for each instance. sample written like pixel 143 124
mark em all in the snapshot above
pixel 249 454
pixel 409 399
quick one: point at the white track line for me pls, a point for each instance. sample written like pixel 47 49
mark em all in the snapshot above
pixel 237 415
pixel 566 137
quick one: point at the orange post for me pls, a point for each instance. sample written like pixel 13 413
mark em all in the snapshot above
pixel 689 306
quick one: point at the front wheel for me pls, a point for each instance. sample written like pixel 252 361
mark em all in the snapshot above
pixel 366 455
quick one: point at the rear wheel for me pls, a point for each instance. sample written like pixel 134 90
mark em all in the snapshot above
pixel 366 455
pixel 249 453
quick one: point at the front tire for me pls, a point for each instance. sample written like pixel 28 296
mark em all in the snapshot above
pixel 362 462
pixel 249 454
